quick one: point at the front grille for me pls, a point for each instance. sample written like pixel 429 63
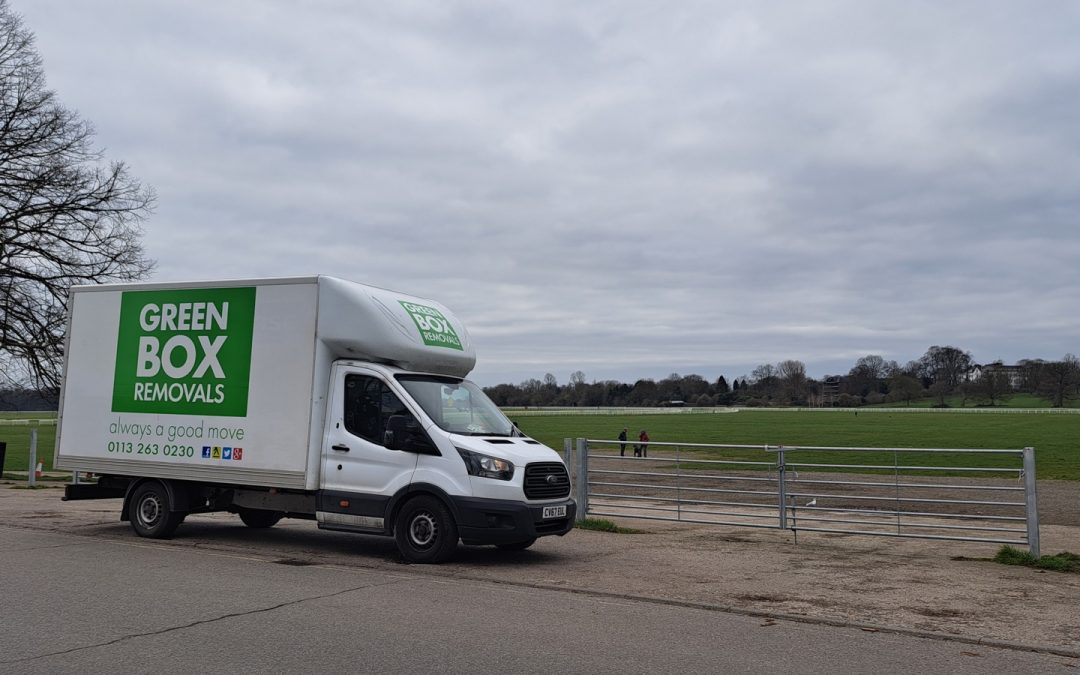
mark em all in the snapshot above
pixel 537 484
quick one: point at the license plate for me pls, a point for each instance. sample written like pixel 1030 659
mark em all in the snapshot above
pixel 554 512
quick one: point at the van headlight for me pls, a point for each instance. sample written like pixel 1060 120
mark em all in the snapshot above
pixel 486 466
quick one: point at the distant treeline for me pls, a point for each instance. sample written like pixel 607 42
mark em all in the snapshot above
pixel 941 374
pixel 29 399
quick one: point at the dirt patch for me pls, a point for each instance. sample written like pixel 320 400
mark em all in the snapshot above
pixel 757 597
pixel 939 613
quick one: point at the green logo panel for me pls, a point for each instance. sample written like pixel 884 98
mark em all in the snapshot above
pixel 434 328
pixel 185 352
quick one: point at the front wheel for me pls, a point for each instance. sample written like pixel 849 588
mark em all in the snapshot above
pixel 150 511
pixel 425 531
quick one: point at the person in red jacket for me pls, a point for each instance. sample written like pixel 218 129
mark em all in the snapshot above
pixel 641 450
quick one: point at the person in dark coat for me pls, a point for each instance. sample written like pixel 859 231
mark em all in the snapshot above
pixel 622 445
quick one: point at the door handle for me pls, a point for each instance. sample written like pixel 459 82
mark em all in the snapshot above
pixel 341 447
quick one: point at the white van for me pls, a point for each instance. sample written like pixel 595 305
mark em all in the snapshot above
pixel 312 398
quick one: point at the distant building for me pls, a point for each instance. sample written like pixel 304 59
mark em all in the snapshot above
pixel 1014 373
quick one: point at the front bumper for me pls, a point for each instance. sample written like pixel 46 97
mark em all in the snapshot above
pixel 498 521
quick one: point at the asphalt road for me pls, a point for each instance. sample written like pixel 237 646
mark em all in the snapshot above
pixel 87 604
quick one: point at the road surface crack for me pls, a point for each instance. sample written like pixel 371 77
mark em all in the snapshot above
pixel 200 622
pixel 42 548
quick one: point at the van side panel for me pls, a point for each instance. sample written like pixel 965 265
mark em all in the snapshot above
pixel 131 410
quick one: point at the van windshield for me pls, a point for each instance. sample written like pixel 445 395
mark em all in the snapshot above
pixel 457 406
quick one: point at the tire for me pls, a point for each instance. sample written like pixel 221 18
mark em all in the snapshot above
pixel 517 545
pixel 260 518
pixel 425 531
pixel 150 511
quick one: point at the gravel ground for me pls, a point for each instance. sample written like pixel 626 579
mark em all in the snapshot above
pixel 948 588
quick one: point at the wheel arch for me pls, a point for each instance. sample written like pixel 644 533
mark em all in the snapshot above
pixel 415 490
pixel 179 495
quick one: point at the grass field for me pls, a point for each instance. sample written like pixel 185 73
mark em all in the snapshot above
pixel 18 441
pixel 1056 438
pixel 1015 401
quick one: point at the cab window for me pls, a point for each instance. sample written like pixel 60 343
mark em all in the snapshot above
pixel 368 404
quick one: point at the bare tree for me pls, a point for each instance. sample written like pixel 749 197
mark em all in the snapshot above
pixel 993 385
pixel 904 388
pixel 1060 381
pixel 875 367
pixel 531 386
pixel 792 375
pixel 693 387
pixel 65 217
pixel 948 366
pixel 940 391
pixel 869 375
pixel 763 372
pixel 669 388
pixel 764 382
pixel 645 392
pixel 1031 371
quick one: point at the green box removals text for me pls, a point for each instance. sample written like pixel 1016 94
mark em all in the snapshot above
pixel 185 352
pixel 434 328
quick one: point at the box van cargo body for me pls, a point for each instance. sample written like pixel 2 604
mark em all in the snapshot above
pixel 313 398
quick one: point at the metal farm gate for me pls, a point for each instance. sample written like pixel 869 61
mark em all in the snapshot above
pixel 951 494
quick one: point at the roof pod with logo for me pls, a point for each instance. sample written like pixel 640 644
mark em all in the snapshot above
pixel 357 321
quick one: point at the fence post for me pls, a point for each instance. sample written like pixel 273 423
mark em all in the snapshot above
pixel 568 458
pixel 583 477
pixel 678 483
pixel 1031 502
pixel 782 488
pixel 31 478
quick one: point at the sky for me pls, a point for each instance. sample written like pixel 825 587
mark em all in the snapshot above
pixel 629 189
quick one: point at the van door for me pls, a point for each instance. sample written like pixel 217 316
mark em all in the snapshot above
pixel 359 474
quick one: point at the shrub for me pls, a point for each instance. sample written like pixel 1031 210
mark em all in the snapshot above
pixel 1059 562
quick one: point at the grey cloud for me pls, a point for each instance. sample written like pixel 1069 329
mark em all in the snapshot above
pixel 625 188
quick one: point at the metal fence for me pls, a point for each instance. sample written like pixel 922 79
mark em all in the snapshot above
pixel 557 411
pixel 945 493
pixel 29 422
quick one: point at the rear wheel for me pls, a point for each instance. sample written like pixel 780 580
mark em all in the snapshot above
pixel 425 531
pixel 260 518
pixel 150 511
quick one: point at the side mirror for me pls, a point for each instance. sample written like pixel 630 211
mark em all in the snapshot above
pixel 403 433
